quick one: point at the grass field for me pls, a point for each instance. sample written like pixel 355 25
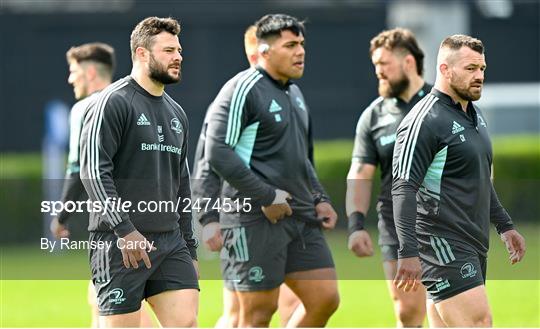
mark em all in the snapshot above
pixel 41 289
pixel 26 302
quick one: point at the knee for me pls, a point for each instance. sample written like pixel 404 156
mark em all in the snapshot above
pixel 410 313
pixel 232 320
pixel 483 321
pixel 188 322
pixel 257 316
pixel 324 305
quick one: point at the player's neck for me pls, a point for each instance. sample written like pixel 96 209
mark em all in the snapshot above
pixel 153 87
pixel 445 88
pixel 273 73
pixel 415 84
pixel 98 86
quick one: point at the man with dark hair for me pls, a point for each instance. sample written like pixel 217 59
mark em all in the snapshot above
pixel 398 65
pixel 206 188
pixel 133 152
pixel 91 68
pixel 257 141
pixel 443 195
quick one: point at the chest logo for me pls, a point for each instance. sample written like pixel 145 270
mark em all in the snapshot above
pixel 176 126
pixel 456 128
pixel 143 121
pixel 161 137
pixel 274 107
pixel 385 140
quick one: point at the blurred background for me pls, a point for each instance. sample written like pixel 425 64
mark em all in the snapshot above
pixel 339 83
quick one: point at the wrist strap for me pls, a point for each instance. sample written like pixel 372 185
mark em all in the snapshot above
pixel 356 222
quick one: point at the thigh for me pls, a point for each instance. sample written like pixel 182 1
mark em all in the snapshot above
pixel 176 308
pixel 417 297
pixel 230 303
pixel 313 286
pixel 253 257
pixel 434 319
pixel 176 270
pixel 287 304
pixel 466 309
pixel 449 268
pixel 308 250
pixel 125 320
pixel 119 290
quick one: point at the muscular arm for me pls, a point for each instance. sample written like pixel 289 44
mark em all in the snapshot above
pixel 359 186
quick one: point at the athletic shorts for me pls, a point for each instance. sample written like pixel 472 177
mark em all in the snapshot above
pixel 449 268
pixel 258 256
pixel 389 252
pixel 386 225
pixel 120 290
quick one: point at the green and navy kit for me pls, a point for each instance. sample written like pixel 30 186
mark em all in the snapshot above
pixel 257 140
pixel 133 147
pixel 73 189
pixel 206 184
pixel 374 144
pixel 442 179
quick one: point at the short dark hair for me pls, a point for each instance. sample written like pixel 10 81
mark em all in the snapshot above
pixel 97 52
pixel 143 34
pixel 399 39
pixel 457 41
pixel 271 25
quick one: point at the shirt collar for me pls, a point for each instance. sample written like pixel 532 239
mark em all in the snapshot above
pixel 445 98
pixel 426 88
pixel 276 82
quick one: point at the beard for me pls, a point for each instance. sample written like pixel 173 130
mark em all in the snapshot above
pixel 394 88
pixel 159 73
pixel 464 92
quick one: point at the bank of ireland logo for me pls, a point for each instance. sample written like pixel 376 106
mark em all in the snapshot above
pixel 116 296
pixel 176 126
pixel 468 271
pixel 255 274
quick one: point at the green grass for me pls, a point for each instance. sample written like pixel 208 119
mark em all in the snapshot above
pixel 15 165
pixel 26 302
pixel 58 298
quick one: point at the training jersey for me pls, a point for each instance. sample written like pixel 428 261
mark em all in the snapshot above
pixel 374 141
pixel 442 177
pixel 257 140
pixel 73 189
pixel 133 147
pixel 206 183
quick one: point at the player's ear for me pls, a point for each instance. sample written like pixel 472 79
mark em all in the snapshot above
pixel 410 63
pixel 444 69
pixel 142 54
pixel 263 48
pixel 91 72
